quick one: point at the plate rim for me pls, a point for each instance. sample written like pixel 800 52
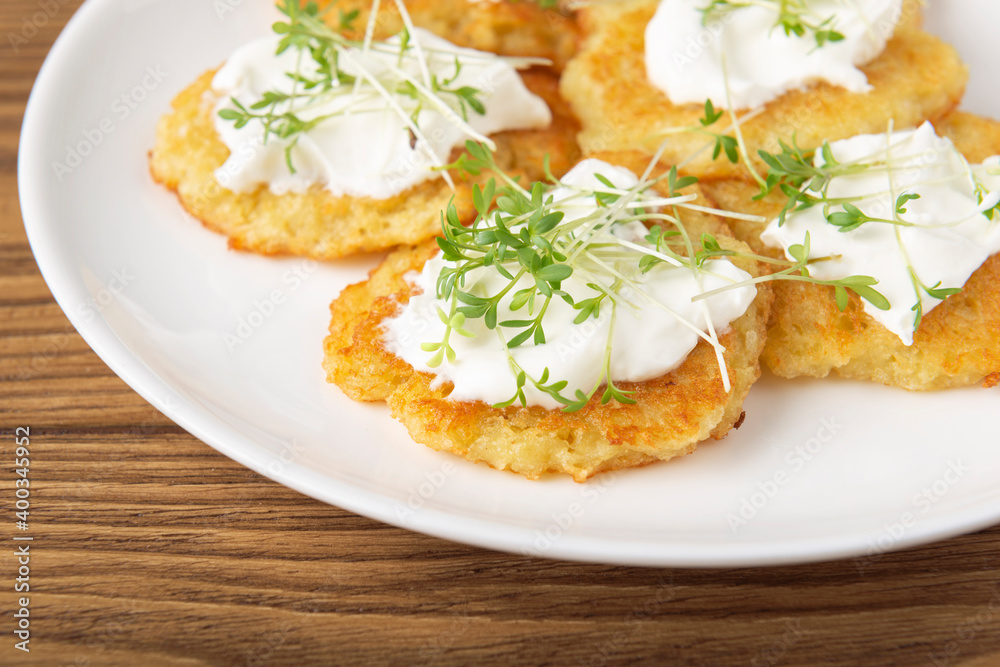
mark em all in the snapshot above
pixel 496 534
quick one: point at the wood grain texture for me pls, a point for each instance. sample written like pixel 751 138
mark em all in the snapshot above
pixel 152 549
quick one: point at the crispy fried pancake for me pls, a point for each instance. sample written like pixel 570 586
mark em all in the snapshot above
pixel 916 78
pixel 673 413
pixel 503 27
pixel 318 224
pixel 957 344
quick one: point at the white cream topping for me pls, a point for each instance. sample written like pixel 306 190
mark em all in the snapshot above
pixel 366 150
pixel 950 237
pixel 690 58
pixel 648 341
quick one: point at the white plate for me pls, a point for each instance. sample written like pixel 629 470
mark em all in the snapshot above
pixel 156 295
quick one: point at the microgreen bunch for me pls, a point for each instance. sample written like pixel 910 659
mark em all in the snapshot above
pixel 331 68
pixel 805 180
pixel 795 173
pixel 804 176
pixel 793 17
pixel 521 235
pixel 546 4
pixel 988 200
pixel 724 143
pixel 981 194
pixel 798 271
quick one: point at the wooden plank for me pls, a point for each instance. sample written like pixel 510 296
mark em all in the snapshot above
pixel 152 549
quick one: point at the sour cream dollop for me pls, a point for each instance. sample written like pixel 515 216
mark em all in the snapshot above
pixel 950 237
pixel 689 58
pixel 366 149
pixel 647 342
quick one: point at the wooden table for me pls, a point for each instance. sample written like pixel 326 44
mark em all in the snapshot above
pixel 150 548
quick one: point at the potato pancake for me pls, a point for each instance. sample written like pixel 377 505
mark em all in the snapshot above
pixel 672 415
pixel 916 78
pixel 957 344
pixel 499 26
pixel 316 223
